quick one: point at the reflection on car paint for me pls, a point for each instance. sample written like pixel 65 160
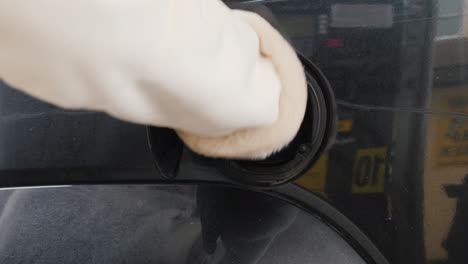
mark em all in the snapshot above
pixel 398 164
pixel 171 224
pixel 404 87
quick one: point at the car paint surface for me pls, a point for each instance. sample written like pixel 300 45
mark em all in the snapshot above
pixel 397 167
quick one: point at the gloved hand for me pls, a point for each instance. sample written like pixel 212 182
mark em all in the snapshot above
pixel 225 80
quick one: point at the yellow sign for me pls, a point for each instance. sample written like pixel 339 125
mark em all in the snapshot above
pixel 369 170
pixel 445 162
pixel 315 179
pixel 452 133
pixel 345 125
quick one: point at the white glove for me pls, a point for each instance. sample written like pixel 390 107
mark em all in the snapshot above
pixel 225 80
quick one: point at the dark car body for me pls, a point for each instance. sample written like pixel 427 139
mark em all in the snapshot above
pixel 390 189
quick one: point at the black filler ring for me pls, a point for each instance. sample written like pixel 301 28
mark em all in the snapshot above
pixel 317 132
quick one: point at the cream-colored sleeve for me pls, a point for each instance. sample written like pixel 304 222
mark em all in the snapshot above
pixel 195 66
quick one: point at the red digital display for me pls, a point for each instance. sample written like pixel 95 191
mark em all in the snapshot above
pixel 335 43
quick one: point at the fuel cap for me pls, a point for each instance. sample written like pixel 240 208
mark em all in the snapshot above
pixel 174 161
